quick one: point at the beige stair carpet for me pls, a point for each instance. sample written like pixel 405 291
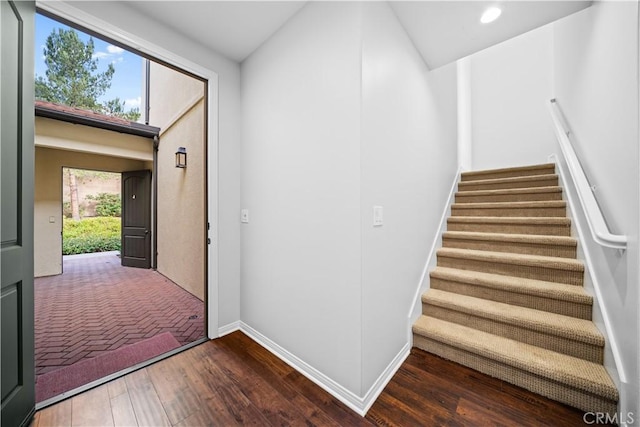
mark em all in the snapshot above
pixel 507 296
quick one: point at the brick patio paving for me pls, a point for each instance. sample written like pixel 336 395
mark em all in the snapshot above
pixel 97 306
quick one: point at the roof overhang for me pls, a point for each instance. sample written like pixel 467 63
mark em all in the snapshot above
pixel 81 117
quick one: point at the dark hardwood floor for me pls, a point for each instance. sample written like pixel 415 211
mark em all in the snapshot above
pixel 234 381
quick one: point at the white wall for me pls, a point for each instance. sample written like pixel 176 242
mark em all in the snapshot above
pixel 340 114
pixel 463 86
pixel 596 84
pixel 131 21
pixel 408 161
pixel 301 184
pixel 510 85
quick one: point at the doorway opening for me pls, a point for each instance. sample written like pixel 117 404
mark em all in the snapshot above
pixel 91 212
pixel 107 312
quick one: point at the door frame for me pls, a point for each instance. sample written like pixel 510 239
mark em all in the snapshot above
pixel 71 14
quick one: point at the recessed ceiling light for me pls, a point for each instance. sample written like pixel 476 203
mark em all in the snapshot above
pixel 490 15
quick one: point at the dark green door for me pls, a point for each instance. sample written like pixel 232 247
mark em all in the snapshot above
pixel 136 219
pixel 16 174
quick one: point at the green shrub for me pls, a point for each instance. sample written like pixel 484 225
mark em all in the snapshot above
pixel 107 204
pixel 99 234
pixel 90 244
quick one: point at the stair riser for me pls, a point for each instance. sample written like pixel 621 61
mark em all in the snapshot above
pixel 476 186
pixel 526 271
pixel 537 229
pixel 512 247
pixel 543 303
pixel 592 353
pixel 510 173
pixel 527 380
pixel 495 198
pixel 510 212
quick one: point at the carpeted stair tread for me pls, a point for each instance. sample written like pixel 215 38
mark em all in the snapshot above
pixel 542 169
pixel 552 269
pixel 559 368
pixel 511 182
pixel 549 323
pixel 557 246
pixel 500 205
pixel 510 194
pixel 552 297
pixel 555 226
pixel 553 208
pixel 506 237
pixel 550 290
pixel 513 220
pixel 519 259
pixel 489 220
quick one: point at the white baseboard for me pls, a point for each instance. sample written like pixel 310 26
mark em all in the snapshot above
pixel 384 378
pixel 360 405
pixel 229 328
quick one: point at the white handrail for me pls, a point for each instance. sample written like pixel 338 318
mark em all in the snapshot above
pixel 597 225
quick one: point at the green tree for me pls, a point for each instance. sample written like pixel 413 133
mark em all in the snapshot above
pixel 115 107
pixel 72 76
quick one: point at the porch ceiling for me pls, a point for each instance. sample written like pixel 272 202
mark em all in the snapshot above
pixel 62 135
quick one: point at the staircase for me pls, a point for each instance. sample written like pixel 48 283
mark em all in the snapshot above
pixel 506 297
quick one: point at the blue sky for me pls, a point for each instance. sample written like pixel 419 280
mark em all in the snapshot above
pixel 127 80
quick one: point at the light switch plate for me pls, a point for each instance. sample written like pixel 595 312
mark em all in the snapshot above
pixel 377 216
pixel 244 216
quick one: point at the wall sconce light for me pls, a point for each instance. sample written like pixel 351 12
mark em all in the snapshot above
pixel 181 157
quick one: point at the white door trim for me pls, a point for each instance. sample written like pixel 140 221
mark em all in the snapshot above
pixel 75 15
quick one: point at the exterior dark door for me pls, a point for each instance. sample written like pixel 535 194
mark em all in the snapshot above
pixel 136 219
pixel 16 175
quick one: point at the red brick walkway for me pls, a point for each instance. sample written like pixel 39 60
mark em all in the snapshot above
pixel 97 306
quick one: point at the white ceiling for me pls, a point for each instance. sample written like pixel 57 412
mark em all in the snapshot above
pixel 442 31
pixel 232 28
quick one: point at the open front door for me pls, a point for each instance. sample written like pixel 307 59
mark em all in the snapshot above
pixel 16 229
pixel 136 219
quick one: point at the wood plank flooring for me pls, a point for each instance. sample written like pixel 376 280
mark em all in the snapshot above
pixel 234 381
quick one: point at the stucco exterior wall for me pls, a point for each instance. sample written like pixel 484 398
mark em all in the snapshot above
pixel 177 106
pixel 48 198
